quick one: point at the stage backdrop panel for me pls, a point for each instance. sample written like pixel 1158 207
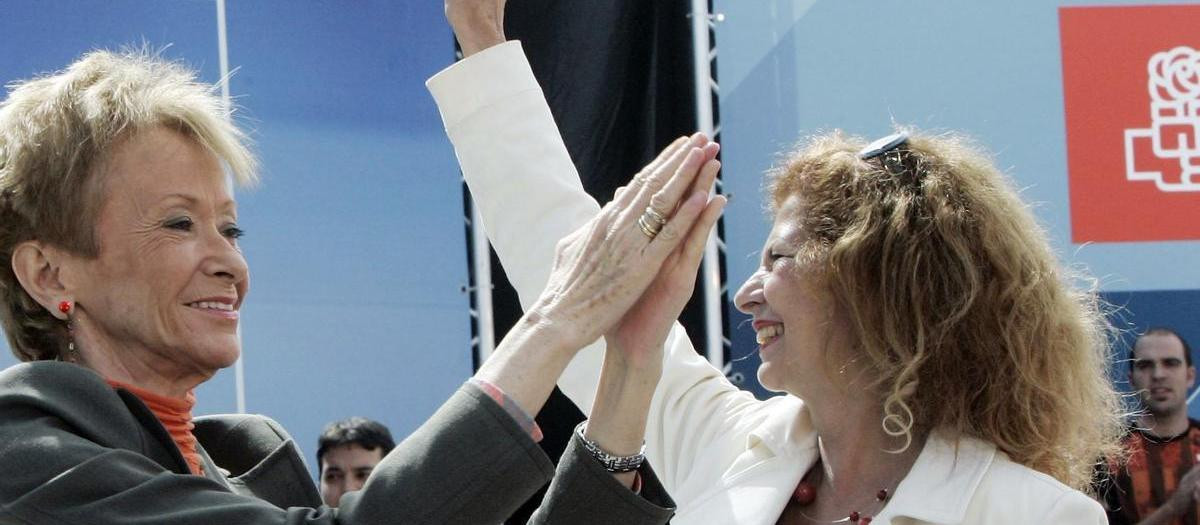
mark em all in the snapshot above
pixel 789 68
pixel 355 236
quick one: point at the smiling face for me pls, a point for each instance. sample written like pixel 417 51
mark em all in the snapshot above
pixel 1160 374
pixel 163 293
pixel 795 319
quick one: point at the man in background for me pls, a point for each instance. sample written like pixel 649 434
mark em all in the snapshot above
pixel 347 452
pixel 1160 482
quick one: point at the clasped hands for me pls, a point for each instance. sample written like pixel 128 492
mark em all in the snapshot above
pixel 612 279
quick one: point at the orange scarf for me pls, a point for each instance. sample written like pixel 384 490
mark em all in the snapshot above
pixel 176 416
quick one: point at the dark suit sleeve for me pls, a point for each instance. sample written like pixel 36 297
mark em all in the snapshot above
pixel 70 455
pixel 584 493
pixel 469 463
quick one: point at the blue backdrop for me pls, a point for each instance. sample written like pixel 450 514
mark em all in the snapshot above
pixel 356 236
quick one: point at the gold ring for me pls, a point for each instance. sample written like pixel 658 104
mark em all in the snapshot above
pixel 646 228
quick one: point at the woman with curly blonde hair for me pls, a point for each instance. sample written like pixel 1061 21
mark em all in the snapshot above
pixel 937 364
pixel 944 309
pixel 965 319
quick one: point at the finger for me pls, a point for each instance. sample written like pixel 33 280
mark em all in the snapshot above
pixel 666 153
pixel 703 183
pixel 665 199
pixel 655 179
pixel 711 149
pixel 639 179
pixel 617 194
pixel 672 233
pixel 692 249
pixel 707 177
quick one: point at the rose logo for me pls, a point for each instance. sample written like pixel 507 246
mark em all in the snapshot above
pixel 1174 131
pixel 1175 75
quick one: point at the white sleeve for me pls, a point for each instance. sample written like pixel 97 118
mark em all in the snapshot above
pixel 529 195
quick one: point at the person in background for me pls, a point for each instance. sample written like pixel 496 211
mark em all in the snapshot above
pixel 347 452
pixel 1159 480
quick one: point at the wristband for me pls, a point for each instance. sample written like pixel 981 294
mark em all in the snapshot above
pixel 611 463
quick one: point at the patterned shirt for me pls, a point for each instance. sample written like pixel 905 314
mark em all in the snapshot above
pixel 1151 475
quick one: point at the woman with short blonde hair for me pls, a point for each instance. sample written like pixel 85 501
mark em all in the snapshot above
pixel 64 125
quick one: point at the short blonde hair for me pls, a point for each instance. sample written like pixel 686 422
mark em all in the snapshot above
pixel 956 299
pixel 57 130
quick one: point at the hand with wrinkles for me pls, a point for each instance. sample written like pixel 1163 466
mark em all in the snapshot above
pixel 604 268
pixel 639 336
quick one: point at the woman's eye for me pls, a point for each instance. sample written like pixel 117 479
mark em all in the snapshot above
pixel 233 232
pixel 181 224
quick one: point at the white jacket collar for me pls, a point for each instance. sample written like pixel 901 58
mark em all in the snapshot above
pixel 787 431
pixel 943 480
pixel 938 488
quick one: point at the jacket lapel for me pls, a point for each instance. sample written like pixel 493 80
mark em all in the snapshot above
pixel 161 448
pixel 758 484
pixel 257 458
pixel 212 471
pixel 942 482
pixel 280 479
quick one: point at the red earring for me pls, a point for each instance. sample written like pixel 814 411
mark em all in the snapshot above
pixel 64 307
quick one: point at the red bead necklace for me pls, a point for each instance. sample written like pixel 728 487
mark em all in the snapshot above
pixel 806 493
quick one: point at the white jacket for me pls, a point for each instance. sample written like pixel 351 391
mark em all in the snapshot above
pixel 724 456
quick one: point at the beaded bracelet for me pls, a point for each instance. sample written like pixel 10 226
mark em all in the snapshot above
pixel 611 463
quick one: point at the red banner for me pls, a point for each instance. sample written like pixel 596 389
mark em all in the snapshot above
pixel 1131 89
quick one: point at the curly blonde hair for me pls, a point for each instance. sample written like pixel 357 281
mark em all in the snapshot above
pixel 56 131
pixel 957 301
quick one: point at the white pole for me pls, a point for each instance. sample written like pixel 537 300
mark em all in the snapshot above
pixel 485 341
pixel 710 270
pixel 239 371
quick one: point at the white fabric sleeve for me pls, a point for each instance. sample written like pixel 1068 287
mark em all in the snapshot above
pixel 529 195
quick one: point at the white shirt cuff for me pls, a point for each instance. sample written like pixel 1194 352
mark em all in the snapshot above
pixel 459 91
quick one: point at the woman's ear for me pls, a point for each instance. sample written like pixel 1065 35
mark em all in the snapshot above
pixel 37 266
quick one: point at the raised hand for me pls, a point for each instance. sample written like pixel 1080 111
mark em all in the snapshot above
pixel 478 24
pixel 606 266
pixel 638 338
pixel 633 361
pixel 600 271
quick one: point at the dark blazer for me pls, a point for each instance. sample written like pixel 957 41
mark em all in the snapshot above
pixel 74 450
